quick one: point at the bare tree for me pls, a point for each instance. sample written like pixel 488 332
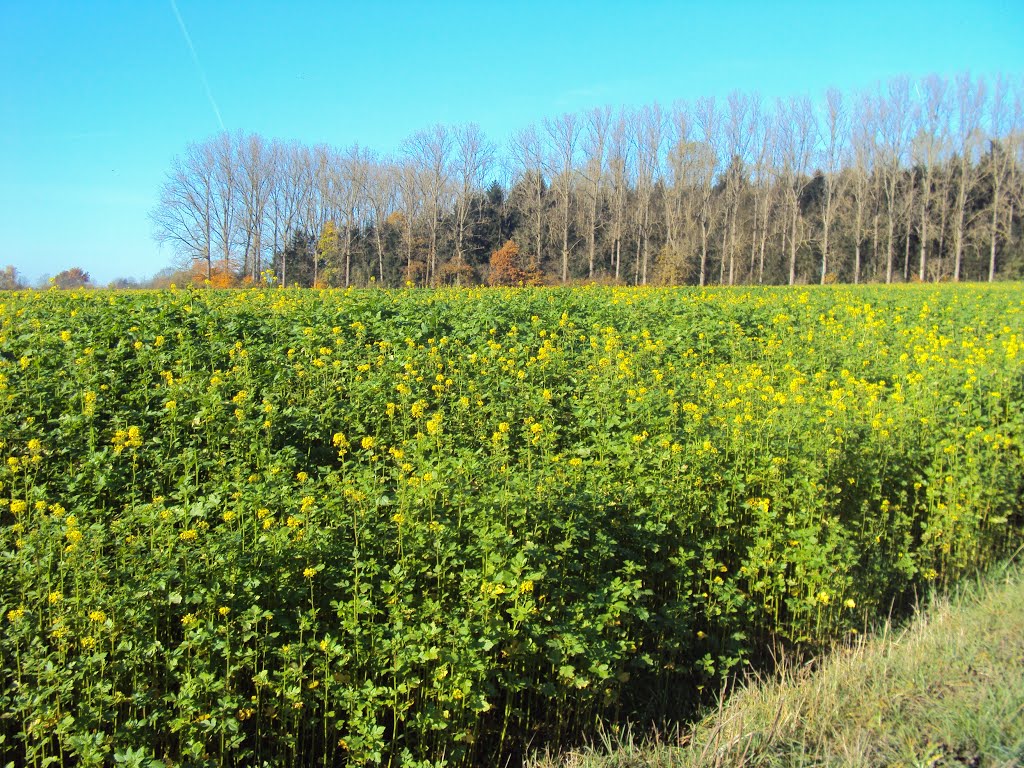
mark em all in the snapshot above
pixel 741 116
pixel 708 121
pixel 595 137
pixel 307 214
pixel 410 205
pixel 563 135
pixel 1015 149
pixel 431 151
pixel 797 136
pixel 927 151
pixel 225 208
pixel 381 191
pixel 835 137
pixel 284 200
pixel 351 184
pixel 893 110
pixel 970 102
pixel 1002 121
pixel 474 156
pixel 929 166
pixel 619 167
pixel 678 199
pixel 762 193
pixel 255 180
pixel 183 217
pixel 528 159
pixel 648 136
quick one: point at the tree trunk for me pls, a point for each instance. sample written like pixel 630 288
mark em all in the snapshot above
pixel 792 242
pixel 922 265
pixel 858 223
pixel 703 251
pixel 565 240
pixel 732 248
pixel 995 225
pixel 824 248
pixel 721 258
pixel 592 244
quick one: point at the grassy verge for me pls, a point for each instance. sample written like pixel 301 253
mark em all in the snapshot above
pixel 946 690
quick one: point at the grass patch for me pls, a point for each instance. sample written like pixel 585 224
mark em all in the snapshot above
pixel 945 690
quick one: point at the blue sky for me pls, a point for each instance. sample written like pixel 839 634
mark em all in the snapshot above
pixel 97 97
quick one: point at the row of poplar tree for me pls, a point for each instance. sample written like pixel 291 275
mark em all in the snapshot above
pixel 910 180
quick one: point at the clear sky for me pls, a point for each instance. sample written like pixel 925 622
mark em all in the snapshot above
pixel 97 97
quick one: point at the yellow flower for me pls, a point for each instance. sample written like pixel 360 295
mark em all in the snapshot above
pixel 367 443
pixel 54 597
pixel 850 603
pixel 18 506
pixel 223 610
pixel 309 573
pixel 189 620
pixel 188 535
pixel 398 518
pixel 98 616
pixel 15 615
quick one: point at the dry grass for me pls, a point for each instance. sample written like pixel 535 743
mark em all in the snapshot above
pixel 946 690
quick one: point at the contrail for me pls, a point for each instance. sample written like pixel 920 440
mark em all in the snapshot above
pixel 199 67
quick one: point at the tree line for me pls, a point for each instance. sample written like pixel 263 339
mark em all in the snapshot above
pixel 910 180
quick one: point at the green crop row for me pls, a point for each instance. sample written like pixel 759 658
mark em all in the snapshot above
pixel 425 528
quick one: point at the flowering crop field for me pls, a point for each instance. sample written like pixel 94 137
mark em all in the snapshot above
pixel 422 528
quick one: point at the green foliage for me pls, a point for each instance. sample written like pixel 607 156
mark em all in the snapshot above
pixel 351 527
pixel 946 690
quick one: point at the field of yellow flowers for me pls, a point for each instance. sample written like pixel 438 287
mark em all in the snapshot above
pixel 422 528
